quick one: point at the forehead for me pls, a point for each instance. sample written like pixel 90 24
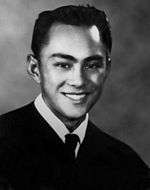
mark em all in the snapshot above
pixel 78 41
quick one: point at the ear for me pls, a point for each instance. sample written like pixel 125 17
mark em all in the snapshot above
pixel 33 68
pixel 108 65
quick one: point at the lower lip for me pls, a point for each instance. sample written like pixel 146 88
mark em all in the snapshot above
pixel 76 98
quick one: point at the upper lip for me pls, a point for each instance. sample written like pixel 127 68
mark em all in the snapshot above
pixel 75 93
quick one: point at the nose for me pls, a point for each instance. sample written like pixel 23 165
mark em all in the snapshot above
pixel 77 78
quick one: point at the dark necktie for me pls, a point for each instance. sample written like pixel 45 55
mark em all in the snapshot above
pixel 71 141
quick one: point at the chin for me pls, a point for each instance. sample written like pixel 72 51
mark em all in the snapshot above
pixel 74 114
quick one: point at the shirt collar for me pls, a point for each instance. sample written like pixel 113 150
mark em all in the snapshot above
pixel 56 124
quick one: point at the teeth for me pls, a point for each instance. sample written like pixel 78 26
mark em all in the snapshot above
pixel 75 97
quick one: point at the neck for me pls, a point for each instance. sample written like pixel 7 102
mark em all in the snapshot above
pixel 72 124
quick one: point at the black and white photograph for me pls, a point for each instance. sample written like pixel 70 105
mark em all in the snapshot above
pixel 74 95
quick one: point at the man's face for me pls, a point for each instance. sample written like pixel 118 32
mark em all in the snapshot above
pixel 73 69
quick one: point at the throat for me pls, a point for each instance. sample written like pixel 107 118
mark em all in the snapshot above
pixel 73 124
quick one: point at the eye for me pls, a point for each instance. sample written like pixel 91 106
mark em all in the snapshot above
pixel 94 65
pixel 63 65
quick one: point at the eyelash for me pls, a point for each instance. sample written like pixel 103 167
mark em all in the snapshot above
pixel 63 65
pixel 93 65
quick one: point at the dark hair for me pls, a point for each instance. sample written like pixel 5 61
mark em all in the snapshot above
pixel 72 15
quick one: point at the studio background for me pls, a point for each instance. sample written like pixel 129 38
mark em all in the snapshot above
pixel 124 108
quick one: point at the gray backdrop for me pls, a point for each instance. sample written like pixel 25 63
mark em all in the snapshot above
pixel 124 109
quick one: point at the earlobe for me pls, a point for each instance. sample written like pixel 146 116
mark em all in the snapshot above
pixel 108 64
pixel 108 67
pixel 33 68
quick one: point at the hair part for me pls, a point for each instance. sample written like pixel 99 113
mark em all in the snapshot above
pixel 70 15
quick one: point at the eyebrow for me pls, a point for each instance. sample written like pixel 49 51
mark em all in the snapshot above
pixel 71 58
pixel 94 57
pixel 64 56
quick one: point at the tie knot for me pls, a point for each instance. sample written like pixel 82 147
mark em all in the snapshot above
pixel 71 141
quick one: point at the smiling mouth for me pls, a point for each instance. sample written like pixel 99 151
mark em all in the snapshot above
pixel 75 96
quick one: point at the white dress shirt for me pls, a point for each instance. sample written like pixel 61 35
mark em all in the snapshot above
pixel 57 125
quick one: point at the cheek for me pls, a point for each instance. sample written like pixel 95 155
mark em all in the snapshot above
pixel 94 78
pixel 53 80
pixel 97 78
pixel 51 75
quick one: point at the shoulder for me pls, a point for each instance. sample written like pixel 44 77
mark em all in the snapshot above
pixel 120 156
pixel 111 142
pixel 10 121
pixel 120 152
pixel 17 131
pixel 21 110
pixel 13 135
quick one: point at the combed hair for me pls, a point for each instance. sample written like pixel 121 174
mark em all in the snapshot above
pixel 71 15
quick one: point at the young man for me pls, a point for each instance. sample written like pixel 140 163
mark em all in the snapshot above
pixel 50 143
